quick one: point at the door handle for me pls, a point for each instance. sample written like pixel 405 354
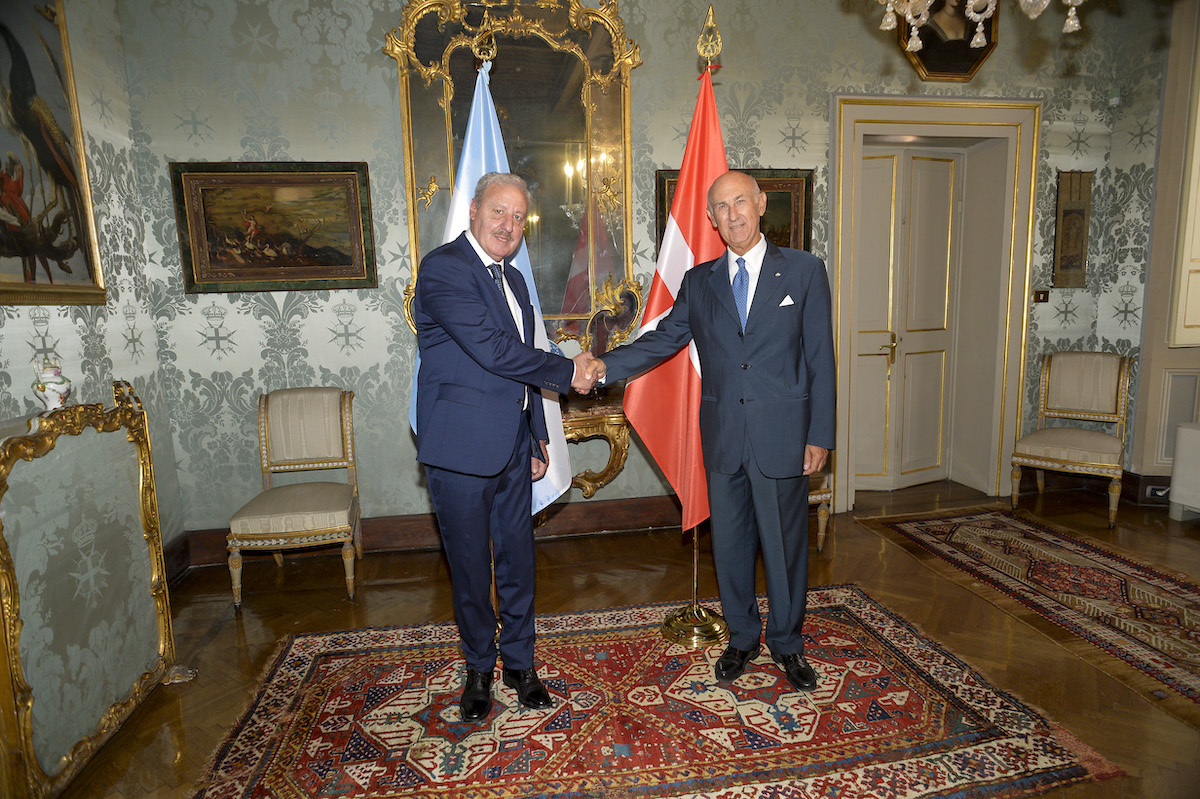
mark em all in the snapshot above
pixel 891 348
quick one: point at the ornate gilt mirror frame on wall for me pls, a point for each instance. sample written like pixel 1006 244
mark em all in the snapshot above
pixel 560 82
pixel 91 472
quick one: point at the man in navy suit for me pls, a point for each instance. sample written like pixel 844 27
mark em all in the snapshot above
pixel 481 434
pixel 760 319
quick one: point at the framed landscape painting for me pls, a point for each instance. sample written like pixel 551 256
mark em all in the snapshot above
pixel 274 226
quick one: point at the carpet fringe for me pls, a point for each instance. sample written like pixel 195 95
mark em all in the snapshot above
pixel 1100 767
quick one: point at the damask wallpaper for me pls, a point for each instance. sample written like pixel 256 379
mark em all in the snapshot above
pixel 247 80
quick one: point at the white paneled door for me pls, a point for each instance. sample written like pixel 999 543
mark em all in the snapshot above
pixel 905 244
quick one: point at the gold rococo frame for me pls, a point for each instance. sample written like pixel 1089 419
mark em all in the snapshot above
pixel 21 776
pixel 506 18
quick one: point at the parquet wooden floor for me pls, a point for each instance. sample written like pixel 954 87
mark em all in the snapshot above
pixel 164 748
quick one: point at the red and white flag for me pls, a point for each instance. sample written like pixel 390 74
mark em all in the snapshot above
pixel 663 405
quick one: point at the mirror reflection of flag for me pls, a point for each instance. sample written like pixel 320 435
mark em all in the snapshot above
pixel 577 298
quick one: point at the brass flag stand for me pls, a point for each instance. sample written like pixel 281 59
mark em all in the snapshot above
pixel 695 626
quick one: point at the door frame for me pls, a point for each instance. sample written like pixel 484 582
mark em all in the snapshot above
pixel 1017 124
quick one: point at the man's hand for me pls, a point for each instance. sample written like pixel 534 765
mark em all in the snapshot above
pixel 596 369
pixel 814 458
pixel 538 466
pixel 584 380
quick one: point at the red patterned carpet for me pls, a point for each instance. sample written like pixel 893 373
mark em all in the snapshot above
pixel 374 713
pixel 1138 623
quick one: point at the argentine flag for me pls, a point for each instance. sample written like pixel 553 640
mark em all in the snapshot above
pixel 483 152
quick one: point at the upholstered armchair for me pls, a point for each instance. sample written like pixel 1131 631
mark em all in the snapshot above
pixel 1085 386
pixel 301 430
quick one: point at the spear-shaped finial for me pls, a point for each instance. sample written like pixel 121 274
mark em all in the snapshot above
pixel 709 43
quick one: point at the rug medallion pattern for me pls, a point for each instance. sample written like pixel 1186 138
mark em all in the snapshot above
pixel 1082 594
pixel 375 713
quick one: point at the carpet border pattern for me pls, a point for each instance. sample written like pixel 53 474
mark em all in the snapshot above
pixel 1022 735
pixel 1160 679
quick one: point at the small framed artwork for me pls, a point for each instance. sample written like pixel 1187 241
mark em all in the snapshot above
pixel 49 254
pixel 947 42
pixel 788 219
pixel 1071 221
pixel 274 226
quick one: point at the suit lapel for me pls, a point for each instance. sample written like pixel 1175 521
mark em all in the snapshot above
pixel 718 279
pixel 516 284
pixel 770 282
pixel 491 296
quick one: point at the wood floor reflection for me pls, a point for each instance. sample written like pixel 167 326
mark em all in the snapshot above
pixel 164 749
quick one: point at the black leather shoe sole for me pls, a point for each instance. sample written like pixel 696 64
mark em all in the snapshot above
pixel 732 663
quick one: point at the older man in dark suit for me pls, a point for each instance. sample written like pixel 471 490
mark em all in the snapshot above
pixel 481 434
pixel 760 319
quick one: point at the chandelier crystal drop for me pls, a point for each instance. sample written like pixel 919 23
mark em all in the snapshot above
pixel 916 13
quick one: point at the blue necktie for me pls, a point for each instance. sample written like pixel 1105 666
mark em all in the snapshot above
pixel 497 271
pixel 741 290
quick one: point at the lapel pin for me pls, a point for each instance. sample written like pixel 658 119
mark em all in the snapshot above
pixel 776 274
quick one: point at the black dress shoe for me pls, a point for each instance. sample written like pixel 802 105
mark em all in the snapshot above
pixel 733 662
pixel 476 698
pixel 530 691
pixel 798 672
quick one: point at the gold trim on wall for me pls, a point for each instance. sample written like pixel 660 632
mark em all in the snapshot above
pixel 21 775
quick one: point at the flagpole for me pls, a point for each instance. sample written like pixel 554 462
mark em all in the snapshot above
pixel 694 625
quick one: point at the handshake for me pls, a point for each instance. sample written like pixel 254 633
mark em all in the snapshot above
pixel 588 370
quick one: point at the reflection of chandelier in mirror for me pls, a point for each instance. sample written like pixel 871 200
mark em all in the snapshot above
pixel 917 13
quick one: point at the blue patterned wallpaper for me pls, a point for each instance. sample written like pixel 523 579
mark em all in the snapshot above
pixel 244 80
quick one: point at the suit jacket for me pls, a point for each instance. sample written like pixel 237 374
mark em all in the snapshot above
pixel 474 367
pixel 776 382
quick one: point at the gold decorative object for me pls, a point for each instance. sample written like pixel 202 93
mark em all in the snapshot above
pixel 531 34
pixel 709 43
pixel 425 195
pixel 21 774
pixel 599 421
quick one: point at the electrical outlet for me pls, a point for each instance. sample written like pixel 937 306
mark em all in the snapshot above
pixel 1041 296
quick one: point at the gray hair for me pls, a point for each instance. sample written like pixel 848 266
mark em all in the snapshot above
pixel 502 179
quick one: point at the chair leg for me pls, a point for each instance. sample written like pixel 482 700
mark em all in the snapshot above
pixel 1016 484
pixel 822 524
pixel 278 558
pixel 235 575
pixel 358 542
pixel 1041 480
pixel 1114 496
pixel 348 562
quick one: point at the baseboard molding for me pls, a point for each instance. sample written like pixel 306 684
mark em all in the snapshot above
pixel 419 531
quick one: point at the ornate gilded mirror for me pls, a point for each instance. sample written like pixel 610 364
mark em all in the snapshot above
pixel 560 82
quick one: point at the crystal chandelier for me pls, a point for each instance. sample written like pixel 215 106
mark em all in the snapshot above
pixel 916 12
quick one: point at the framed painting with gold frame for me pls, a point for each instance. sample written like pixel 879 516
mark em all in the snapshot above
pixel 274 226
pixel 946 53
pixel 788 220
pixel 49 253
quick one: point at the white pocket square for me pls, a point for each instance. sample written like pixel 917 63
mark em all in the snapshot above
pixel 787 301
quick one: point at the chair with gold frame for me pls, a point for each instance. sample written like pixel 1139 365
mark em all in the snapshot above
pixel 820 493
pixel 301 430
pixel 1084 386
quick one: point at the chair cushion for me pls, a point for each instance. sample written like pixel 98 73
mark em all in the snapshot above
pixel 297 508
pixel 1072 445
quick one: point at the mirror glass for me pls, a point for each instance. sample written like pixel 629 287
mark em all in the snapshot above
pixel 560 83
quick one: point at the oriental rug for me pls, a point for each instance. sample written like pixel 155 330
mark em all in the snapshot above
pixel 374 713
pixel 1137 622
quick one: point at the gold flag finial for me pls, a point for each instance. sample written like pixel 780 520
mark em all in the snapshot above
pixel 709 43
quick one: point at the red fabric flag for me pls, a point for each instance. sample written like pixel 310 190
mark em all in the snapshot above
pixel 663 405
